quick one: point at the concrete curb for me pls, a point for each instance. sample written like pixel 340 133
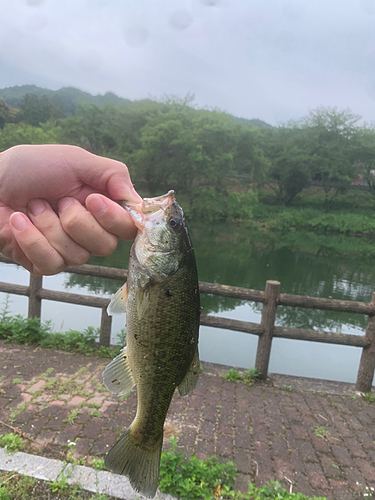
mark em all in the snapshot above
pixel 87 478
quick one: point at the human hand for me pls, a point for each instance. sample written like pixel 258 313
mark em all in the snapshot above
pixel 57 208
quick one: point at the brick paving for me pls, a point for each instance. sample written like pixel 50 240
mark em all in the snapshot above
pixel 321 443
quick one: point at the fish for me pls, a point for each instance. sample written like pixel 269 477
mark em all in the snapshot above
pixel 162 306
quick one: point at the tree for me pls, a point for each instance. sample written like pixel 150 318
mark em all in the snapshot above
pixel 290 169
pixel 331 136
pixel 184 149
pixel 365 156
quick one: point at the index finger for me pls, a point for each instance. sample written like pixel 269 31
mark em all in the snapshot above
pixel 111 216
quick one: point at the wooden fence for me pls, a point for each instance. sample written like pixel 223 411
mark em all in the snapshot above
pixel 266 330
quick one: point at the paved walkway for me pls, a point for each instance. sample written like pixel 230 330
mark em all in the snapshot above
pixel 320 443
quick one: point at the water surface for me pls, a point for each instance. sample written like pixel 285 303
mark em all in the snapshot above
pixel 305 264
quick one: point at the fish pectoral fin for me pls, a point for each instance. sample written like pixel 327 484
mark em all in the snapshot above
pixel 117 376
pixel 118 302
pixel 143 300
pixel 191 378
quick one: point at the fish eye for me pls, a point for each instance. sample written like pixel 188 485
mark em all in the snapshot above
pixel 174 222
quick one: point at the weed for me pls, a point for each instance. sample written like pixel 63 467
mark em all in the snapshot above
pixel 287 388
pixel 321 432
pixel 92 405
pixel 17 411
pixel 335 466
pixel 70 458
pixel 369 397
pixel 232 375
pixel 60 484
pixel 73 415
pixel 32 331
pixel 194 479
pixel 12 442
pixel 14 486
pixel 95 413
pixel 4 495
pixel 97 464
pixel 248 377
pixel 17 381
pixel 124 397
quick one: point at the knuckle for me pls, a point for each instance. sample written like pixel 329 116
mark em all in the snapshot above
pixel 108 247
pixel 78 258
pixel 70 223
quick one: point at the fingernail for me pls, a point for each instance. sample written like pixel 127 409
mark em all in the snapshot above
pixel 64 204
pixel 18 221
pixel 97 205
pixel 36 207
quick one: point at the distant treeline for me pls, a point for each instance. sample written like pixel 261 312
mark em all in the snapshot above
pixel 216 163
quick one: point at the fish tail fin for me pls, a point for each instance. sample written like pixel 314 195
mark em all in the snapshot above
pixel 141 464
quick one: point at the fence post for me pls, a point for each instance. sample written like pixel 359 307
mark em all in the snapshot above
pixel 268 322
pixel 367 364
pixel 105 328
pixel 35 302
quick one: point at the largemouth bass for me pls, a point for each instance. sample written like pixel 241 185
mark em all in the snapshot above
pixel 161 301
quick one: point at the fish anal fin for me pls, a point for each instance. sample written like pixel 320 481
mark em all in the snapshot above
pixel 191 377
pixel 117 376
pixel 118 302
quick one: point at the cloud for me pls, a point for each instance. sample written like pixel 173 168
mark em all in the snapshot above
pixel 274 60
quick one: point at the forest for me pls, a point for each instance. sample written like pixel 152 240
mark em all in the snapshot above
pixel 220 166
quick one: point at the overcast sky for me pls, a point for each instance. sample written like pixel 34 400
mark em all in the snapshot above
pixel 268 59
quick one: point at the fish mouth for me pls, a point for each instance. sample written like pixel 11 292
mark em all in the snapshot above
pixel 150 209
pixel 151 205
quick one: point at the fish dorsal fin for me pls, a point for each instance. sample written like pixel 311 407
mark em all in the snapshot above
pixel 118 302
pixel 143 300
pixel 117 376
pixel 191 378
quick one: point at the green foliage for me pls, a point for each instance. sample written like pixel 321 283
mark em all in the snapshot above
pixel 249 377
pixel 12 442
pixel 212 206
pixel 32 331
pixel 23 330
pixel 369 397
pixel 193 479
pixel 60 484
pixel 97 464
pixel 4 495
pixel 13 134
pixel 232 375
pixel 321 432
pixel 274 491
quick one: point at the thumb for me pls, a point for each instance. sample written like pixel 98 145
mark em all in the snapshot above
pixel 111 177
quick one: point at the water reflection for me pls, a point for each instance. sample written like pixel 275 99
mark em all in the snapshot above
pixel 305 264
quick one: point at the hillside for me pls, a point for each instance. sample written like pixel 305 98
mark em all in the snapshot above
pixel 71 97
pixel 8 114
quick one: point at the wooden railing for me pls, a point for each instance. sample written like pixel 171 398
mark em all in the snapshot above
pixel 266 330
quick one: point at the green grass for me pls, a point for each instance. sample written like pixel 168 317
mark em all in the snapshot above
pixel 369 397
pixel 248 377
pixel 28 331
pixel 346 222
pixel 194 479
pixel 12 442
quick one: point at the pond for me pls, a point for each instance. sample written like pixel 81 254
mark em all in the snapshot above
pixel 304 263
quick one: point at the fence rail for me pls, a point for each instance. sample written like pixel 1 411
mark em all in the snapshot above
pixel 266 330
